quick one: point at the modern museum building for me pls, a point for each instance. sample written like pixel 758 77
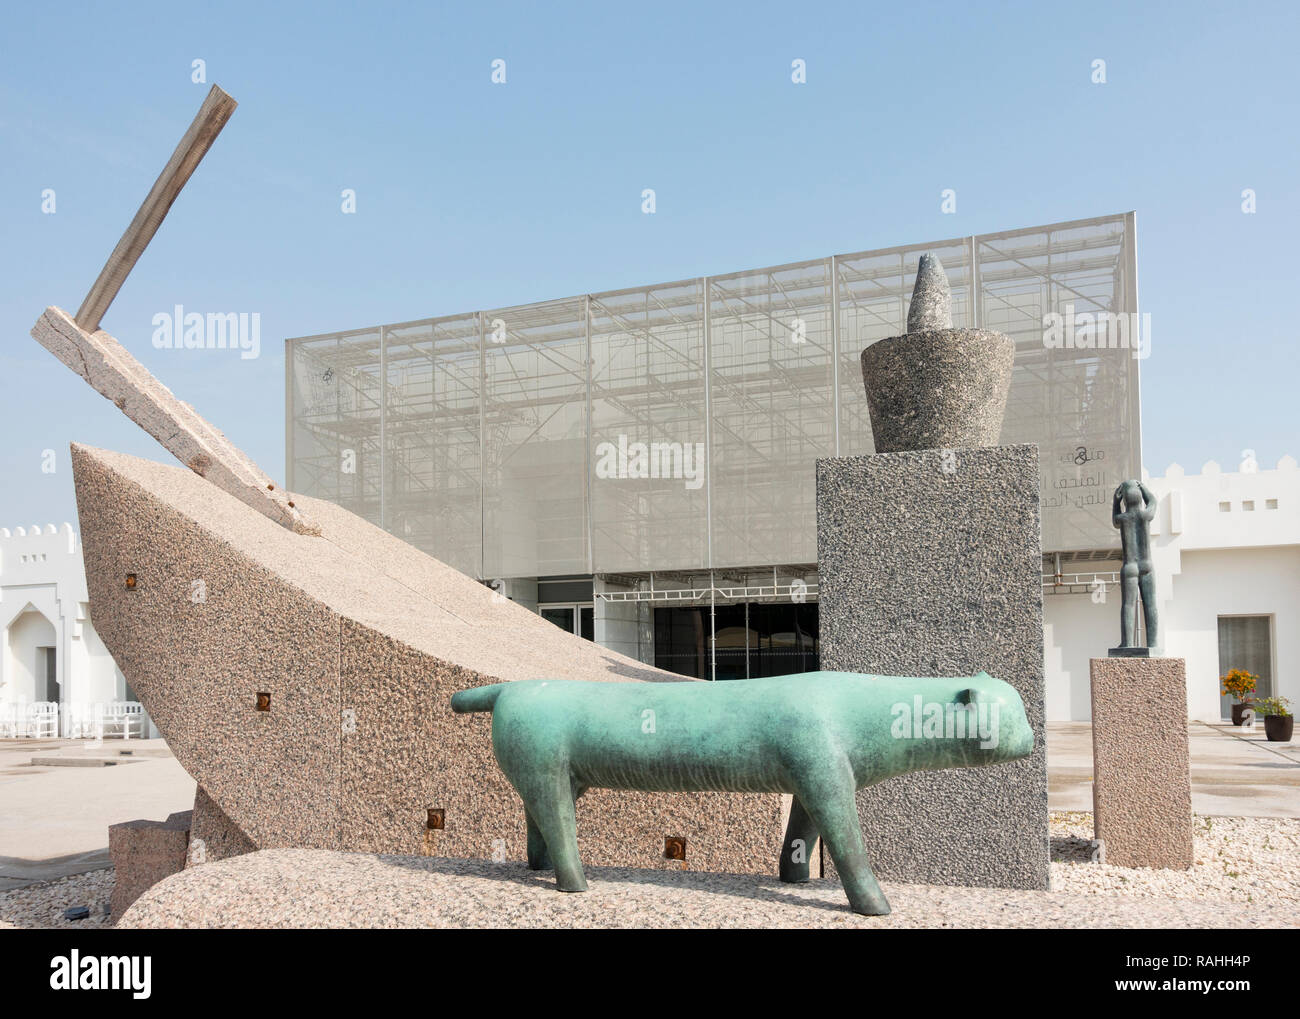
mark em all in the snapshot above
pixel 639 465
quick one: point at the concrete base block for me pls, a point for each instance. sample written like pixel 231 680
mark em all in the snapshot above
pixel 143 853
pixel 1142 791
pixel 930 564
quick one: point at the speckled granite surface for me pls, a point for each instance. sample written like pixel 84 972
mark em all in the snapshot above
pixel 359 640
pixel 315 888
pixel 213 836
pixel 143 853
pixel 938 388
pixel 930 566
pixel 1142 791
pixel 931 304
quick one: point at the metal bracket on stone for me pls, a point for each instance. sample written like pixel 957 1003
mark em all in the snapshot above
pixel 104 363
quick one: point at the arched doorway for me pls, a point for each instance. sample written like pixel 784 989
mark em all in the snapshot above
pixel 33 659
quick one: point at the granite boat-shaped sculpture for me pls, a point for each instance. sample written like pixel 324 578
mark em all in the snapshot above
pixel 304 681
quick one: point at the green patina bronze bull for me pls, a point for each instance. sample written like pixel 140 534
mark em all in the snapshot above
pixel 819 736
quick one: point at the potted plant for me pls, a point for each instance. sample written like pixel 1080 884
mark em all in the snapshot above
pixel 1278 721
pixel 1240 684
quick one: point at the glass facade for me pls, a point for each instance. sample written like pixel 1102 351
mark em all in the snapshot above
pixel 676 426
pixel 751 640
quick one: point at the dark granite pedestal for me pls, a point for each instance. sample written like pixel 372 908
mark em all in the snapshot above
pixel 930 564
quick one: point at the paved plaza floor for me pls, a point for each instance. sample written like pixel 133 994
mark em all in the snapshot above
pixel 1236 772
pixel 55 813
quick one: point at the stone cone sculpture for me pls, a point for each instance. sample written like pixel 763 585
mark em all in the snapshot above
pixel 937 387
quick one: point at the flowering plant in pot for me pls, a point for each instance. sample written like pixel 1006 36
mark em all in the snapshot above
pixel 1240 684
pixel 1278 720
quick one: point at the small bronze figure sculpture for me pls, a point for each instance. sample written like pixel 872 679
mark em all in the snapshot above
pixel 820 736
pixel 1132 509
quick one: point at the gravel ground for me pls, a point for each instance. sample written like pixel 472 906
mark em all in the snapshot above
pixel 1238 859
pixel 42 905
pixel 1247 874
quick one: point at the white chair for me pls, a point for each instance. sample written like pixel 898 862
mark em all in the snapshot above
pixel 43 720
pixel 11 719
pixel 118 719
pixel 80 718
pixel 88 721
pixel 127 716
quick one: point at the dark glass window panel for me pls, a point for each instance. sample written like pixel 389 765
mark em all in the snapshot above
pixel 1246 642
pixel 563 618
pixel 779 640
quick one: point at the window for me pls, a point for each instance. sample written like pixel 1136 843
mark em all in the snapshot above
pixel 758 639
pixel 1248 505
pixel 1270 504
pixel 574 618
pixel 1246 642
pixel 1225 507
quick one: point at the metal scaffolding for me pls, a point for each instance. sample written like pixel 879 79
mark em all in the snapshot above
pixel 480 437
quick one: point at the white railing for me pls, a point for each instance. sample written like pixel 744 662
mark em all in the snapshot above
pixel 36 720
pixel 1079 583
pixel 113 719
pixel 40 720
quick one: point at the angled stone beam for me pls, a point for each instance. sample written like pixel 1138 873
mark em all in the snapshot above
pixel 112 372
pixel 193 146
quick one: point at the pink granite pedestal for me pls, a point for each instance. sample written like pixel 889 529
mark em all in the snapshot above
pixel 1142 791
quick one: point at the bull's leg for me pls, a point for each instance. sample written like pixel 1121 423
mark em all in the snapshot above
pixel 828 792
pixel 538 857
pixel 548 799
pixel 800 837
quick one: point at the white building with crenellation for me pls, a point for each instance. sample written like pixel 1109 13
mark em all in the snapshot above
pixel 1226 552
pixel 56 676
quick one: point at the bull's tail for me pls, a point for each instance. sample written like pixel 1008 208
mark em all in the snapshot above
pixel 480 698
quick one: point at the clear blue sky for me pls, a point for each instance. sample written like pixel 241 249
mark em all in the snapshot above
pixel 475 195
